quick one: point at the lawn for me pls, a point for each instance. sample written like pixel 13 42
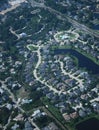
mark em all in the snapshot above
pixel 32 48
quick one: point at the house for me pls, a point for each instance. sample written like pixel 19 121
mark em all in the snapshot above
pixel 19 118
pixel 51 126
pixel 74 115
pixel 28 126
pixel 82 113
pixel 66 117
pixel 9 106
pixel 63 110
pixel 26 101
pixel 38 114
pixel 22 35
pixel 50 95
pixel 1 91
pixel 15 126
pixel 95 106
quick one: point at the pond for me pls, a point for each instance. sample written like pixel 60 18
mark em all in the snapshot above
pixel 91 124
pixel 96 27
pixel 83 61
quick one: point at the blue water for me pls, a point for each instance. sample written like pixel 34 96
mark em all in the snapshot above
pixel 96 27
pixel 96 15
pixel 83 61
pixel 91 124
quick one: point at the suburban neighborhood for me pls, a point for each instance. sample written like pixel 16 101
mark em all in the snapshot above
pixel 49 64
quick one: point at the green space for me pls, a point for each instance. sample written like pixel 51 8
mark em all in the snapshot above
pixel 30 106
pixel 35 96
pixel 4 115
pixel 43 121
pixel 32 48
pixel 54 111
pixel 72 36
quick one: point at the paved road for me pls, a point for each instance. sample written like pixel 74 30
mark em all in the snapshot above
pixel 14 5
pixel 14 33
pixel 35 73
pixel 65 18
pixel 78 80
pixel 4 86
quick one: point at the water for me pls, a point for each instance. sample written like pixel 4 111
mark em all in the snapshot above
pixel 96 15
pixel 83 61
pixel 91 124
pixel 96 27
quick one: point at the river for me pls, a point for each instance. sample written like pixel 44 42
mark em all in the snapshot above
pixel 83 61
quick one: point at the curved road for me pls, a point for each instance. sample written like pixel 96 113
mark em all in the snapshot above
pixel 65 18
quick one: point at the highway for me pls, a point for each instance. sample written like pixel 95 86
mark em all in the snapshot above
pixel 65 18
